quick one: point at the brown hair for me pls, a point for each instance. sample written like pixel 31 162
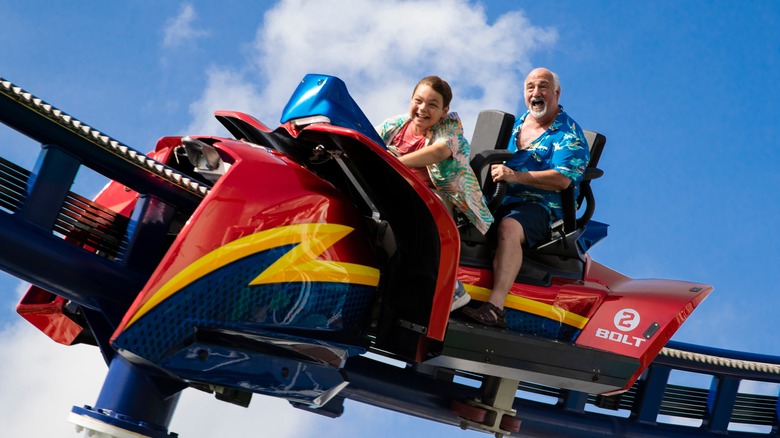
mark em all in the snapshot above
pixel 438 85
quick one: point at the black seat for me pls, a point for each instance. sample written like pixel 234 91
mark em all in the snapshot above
pixel 566 231
pixel 560 254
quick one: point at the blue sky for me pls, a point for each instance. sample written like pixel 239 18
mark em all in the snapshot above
pixel 685 92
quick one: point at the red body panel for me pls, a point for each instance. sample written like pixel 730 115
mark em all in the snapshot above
pixel 629 317
pixel 44 310
pixel 638 317
pixel 578 297
pixel 285 194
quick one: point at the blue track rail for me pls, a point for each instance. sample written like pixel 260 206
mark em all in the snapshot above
pixel 653 407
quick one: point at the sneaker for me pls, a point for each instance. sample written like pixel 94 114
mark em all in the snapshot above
pixel 460 298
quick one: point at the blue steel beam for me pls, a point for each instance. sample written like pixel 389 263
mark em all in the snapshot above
pixel 48 185
pixel 649 405
pixel 37 256
pixel 720 403
pixel 133 400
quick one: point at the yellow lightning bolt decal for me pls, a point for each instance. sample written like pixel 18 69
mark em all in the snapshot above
pixel 300 264
pixel 527 305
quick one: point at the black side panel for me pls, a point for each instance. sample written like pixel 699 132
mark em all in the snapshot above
pixel 492 131
pixel 408 278
pixel 497 352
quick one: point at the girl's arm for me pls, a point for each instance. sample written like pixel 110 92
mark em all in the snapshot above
pixel 427 155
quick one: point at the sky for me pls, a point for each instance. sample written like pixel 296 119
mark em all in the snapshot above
pixel 685 92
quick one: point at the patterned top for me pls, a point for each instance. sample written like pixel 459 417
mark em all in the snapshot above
pixel 452 177
pixel 406 141
pixel 562 147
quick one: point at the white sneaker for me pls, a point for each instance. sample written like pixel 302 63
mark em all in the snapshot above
pixel 460 298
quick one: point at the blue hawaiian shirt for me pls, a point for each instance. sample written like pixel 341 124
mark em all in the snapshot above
pixel 562 147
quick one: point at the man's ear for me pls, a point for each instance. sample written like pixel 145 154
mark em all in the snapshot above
pixel 446 111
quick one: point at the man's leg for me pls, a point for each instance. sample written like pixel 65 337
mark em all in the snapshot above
pixel 508 259
pixel 527 224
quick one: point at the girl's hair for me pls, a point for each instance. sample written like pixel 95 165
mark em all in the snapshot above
pixel 438 85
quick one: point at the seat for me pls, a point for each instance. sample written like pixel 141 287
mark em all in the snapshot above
pixel 489 146
pixel 562 254
pixel 566 231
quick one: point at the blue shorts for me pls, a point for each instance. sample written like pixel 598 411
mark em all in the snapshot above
pixel 532 216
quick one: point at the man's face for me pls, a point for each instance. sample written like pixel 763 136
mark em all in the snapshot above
pixel 541 97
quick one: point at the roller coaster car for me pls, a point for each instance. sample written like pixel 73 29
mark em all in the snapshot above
pixel 314 245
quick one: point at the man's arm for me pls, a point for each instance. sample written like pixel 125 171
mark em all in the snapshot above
pixel 549 179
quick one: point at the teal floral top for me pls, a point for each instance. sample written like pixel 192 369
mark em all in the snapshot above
pixel 452 177
pixel 562 147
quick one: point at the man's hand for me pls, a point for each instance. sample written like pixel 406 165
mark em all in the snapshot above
pixel 499 172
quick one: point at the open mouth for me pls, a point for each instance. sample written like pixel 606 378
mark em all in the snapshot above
pixel 538 103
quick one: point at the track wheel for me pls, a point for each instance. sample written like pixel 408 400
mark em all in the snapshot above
pixel 472 413
pixel 510 423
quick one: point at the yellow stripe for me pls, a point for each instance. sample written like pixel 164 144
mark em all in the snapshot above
pixel 320 270
pixel 297 265
pixel 535 307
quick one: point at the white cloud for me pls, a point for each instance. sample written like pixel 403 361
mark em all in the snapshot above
pixel 41 381
pixel 44 380
pixel 181 29
pixel 225 90
pixel 380 49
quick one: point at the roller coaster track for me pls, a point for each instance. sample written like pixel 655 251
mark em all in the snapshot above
pixel 47 124
pixel 653 407
pixel 739 396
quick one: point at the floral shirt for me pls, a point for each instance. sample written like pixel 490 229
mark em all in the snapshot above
pixel 562 147
pixel 453 177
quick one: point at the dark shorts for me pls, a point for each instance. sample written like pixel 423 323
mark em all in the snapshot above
pixel 532 216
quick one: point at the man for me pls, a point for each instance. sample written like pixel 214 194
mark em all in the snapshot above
pixel 551 153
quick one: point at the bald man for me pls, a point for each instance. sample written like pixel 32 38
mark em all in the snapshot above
pixel 551 154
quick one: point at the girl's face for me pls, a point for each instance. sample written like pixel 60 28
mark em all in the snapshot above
pixel 427 108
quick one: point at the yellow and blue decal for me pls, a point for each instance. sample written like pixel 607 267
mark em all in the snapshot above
pixel 534 317
pixel 273 278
